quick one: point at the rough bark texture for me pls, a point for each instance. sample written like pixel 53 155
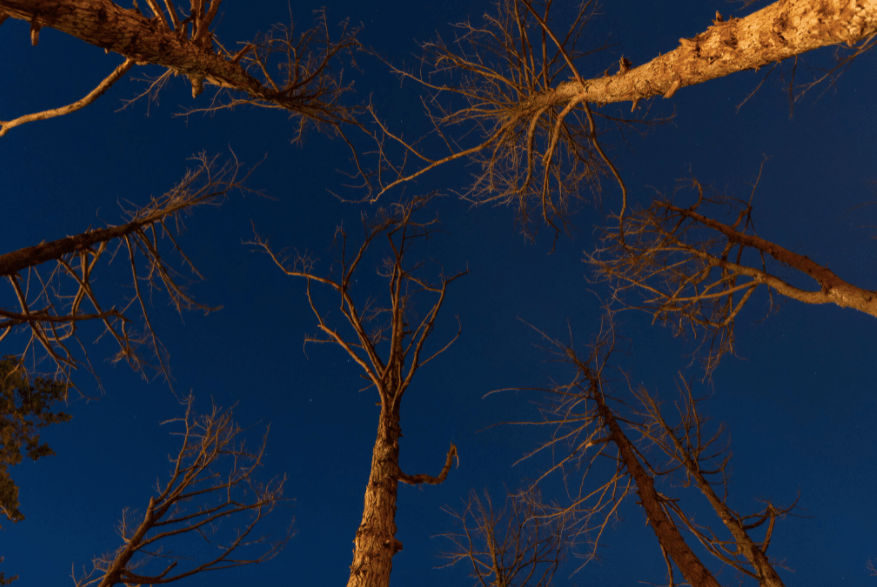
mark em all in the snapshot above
pixel 376 537
pixel 783 29
pixel 668 534
pixel 146 41
pixel 127 32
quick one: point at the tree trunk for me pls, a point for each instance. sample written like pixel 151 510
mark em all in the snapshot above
pixel 12 263
pixel 149 41
pixel 693 570
pixel 784 29
pixel 376 538
pixel 129 33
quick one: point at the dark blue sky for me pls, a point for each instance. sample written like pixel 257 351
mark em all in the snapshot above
pixel 799 400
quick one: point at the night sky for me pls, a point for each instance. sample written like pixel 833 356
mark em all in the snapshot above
pixel 798 399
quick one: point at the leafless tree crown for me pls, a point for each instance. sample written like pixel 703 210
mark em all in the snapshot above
pixel 211 483
pixel 52 283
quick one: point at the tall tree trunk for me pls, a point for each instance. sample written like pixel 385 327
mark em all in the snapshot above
pixel 129 33
pixel 668 534
pixel 376 537
pixel 169 43
pixel 784 29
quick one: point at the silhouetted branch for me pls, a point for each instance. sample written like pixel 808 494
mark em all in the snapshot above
pixel 697 273
pixel 193 501
pixel 53 302
pixel 521 546
pixel 688 445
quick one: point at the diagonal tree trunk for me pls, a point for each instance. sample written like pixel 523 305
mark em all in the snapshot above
pixel 784 29
pixel 168 42
pixel 128 32
pixel 668 534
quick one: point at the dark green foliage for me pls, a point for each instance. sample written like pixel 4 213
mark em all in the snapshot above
pixel 25 406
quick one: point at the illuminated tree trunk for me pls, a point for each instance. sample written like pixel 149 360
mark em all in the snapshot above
pixel 693 570
pixel 184 44
pixel 784 29
pixel 376 537
pixel 129 33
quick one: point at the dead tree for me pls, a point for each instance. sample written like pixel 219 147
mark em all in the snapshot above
pixel 309 86
pixel 701 459
pixel 528 147
pixel 694 271
pixel 525 111
pixel 591 420
pixel 212 480
pixel 51 283
pixel 587 427
pixel 387 342
pixel 522 545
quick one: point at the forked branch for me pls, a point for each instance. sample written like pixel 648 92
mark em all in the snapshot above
pixel 52 283
pixel 212 480
pixel 393 325
pixel 695 272
pixel 311 84
pixel 522 545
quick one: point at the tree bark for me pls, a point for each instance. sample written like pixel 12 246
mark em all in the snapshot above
pixel 12 263
pixel 128 32
pixel 376 542
pixel 833 289
pixel 147 41
pixel 693 570
pixel 784 29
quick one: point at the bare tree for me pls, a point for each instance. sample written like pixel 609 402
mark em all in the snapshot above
pixel 307 87
pixel 528 147
pixel 695 272
pixel 526 110
pixel 212 481
pixel 586 429
pixel 52 283
pixel 703 457
pixel 520 546
pixel 593 423
pixel 387 342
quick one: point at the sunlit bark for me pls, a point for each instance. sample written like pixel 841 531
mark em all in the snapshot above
pixel 186 46
pixel 389 370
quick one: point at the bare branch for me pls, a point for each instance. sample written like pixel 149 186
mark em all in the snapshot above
pixel 695 272
pixel 382 351
pixel 313 85
pixel 525 101
pixel 424 478
pixel 93 95
pixel 192 502
pixel 521 546
pixel 54 301
pixel 532 151
pixel 688 445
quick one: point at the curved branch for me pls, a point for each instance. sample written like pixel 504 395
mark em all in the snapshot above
pixel 93 95
pixel 423 478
